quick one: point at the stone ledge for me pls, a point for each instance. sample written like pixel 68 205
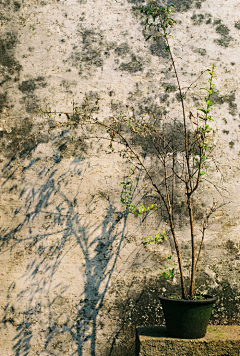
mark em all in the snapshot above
pixel 220 340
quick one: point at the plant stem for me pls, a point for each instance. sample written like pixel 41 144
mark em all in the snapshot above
pixel 190 212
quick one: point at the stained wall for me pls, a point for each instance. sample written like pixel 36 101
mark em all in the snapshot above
pixel 75 276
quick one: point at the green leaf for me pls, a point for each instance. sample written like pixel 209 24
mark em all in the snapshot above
pixel 209 102
pixel 158 238
pixel 172 20
pixel 141 209
pixel 204 111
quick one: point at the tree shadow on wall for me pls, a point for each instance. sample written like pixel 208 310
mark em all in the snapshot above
pixel 47 227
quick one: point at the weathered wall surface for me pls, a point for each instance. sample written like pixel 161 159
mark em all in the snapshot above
pixel 75 278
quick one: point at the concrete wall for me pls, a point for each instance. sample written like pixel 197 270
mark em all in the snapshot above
pixel 75 277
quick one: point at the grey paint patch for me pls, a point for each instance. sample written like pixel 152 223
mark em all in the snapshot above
pixel 209 19
pixel 196 100
pixel 30 85
pixel 225 39
pixel 122 50
pixel 28 88
pixel 137 2
pixel 67 85
pixel 10 141
pixel 185 5
pixel 230 99
pixel 232 248
pixel 217 22
pixel 198 5
pixel 180 5
pixel 7 44
pixel 3 99
pixel 16 5
pixel 116 106
pixel 31 103
pixel 133 66
pixel 237 25
pixel 157 48
pixel 141 103
pixel 9 66
pixel 90 52
pixel 221 29
pixel 201 51
pixel 197 19
pixel 5 3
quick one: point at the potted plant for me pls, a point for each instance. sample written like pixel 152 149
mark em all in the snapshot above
pixel 181 148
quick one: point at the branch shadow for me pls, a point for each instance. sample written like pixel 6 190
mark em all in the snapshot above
pixel 48 228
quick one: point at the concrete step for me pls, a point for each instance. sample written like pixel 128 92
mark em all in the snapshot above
pixel 220 340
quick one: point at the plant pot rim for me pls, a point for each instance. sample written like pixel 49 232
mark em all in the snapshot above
pixel 210 299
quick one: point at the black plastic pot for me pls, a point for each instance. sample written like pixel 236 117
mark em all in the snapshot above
pixel 187 319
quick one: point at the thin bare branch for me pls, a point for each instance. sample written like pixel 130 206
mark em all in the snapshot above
pixel 195 81
pixel 205 226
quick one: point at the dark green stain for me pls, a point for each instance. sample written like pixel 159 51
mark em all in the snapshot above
pixel 8 42
pixel 122 50
pixel 16 5
pixel 225 38
pixel 230 99
pixel 30 85
pixel 10 66
pixel 180 5
pixel 90 52
pixel 158 48
pixel 133 66
pixel 237 25
pixel 197 19
pixel 201 51
pixel 3 99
